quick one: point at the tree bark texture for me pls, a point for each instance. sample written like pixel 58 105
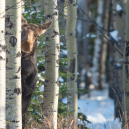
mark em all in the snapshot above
pixel 70 34
pixel 125 122
pixel 104 43
pixel 52 54
pixel 2 66
pixel 13 64
pixel 119 24
pixel 98 47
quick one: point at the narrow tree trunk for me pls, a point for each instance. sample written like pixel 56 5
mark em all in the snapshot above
pixel 40 5
pixel 2 66
pixel 72 56
pixel 22 6
pixel 104 44
pixel 98 47
pixel 13 67
pixel 126 72
pixel 52 54
pixel 119 24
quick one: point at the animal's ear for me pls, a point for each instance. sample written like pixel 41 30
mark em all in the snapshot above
pixel 44 27
pixel 23 20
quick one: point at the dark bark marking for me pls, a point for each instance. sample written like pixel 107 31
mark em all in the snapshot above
pixel 70 34
pixel 58 47
pixel 126 93
pixel 126 62
pixel 47 16
pixel 18 54
pixel 57 61
pixel 14 121
pixel 6 60
pixel 18 70
pixel 127 51
pixel 7 52
pixel 46 81
pixel 1 58
pixel 13 41
pixel 51 16
pixel 10 98
pixel 120 13
pixel 8 22
pixel 126 70
pixel 47 38
pixel 46 54
pixel 17 91
pixel 57 81
pixel 7 33
pixel 47 46
pixel 56 13
pixel 55 32
pixel 3 47
pixel 7 68
pixel 72 68
pixel 15 77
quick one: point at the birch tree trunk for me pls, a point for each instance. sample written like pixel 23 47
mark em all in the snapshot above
pixel 125 122
pixel 13 64
pixel 119 24
pixel 70 34
pixel 52 54
pixel 98 47
pixel 22 6
pixel 2 66
pixel 104 44
pixel 40 5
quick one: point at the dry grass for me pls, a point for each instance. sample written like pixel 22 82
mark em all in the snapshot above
pixel 62 123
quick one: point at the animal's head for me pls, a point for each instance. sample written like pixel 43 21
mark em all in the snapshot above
pixel 30 34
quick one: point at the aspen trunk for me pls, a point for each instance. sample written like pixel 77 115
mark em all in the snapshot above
pixel 2 66
pixel 98 47
pixel 125 122
pixel 104 44
pixel 40 5
pixel 52 54
pixel 119 24
pixel 70 34
pixel 13 64
pixel 22 6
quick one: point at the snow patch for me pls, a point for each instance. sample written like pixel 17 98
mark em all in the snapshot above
pixel 99 110
pixel 118 7
pixel 114 35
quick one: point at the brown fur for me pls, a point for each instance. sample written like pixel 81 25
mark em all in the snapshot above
pixel 29 37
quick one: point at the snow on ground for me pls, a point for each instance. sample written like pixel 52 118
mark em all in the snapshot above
pixel 99 109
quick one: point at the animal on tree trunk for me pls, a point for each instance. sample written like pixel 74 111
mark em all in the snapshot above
pixel 29 36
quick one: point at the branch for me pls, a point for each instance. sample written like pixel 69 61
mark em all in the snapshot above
pixel 100 31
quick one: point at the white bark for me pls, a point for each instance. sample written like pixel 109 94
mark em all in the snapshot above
pixel 13 65
pixel 70 34
pixel 2 66
pixel 22 6
pixel 98 47
pixel 51 86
